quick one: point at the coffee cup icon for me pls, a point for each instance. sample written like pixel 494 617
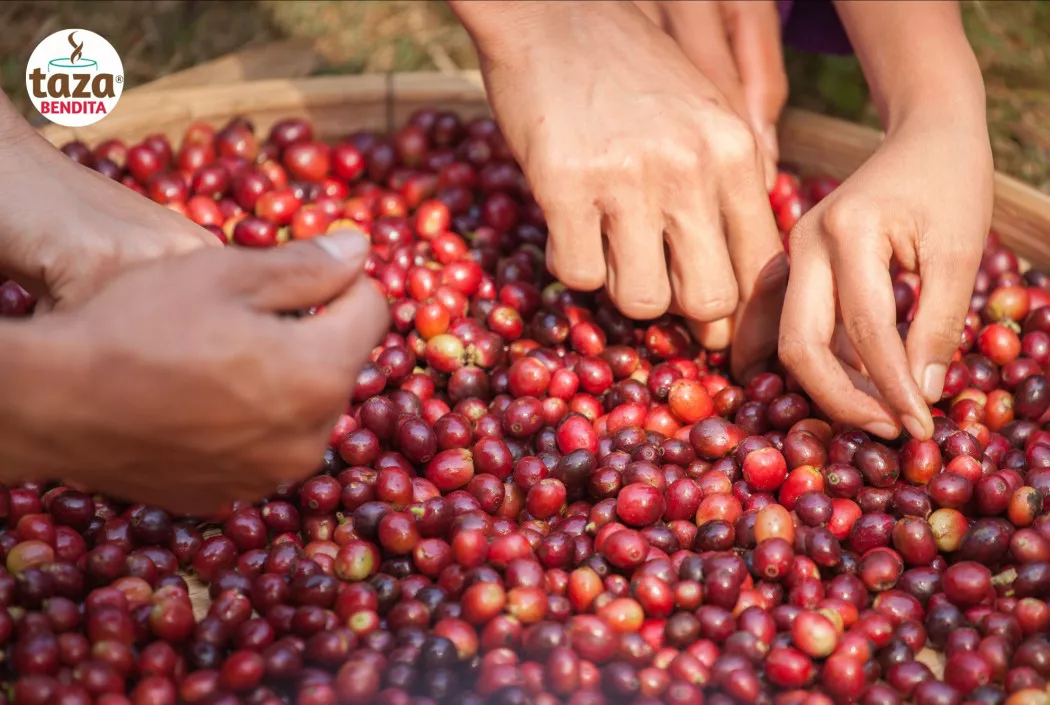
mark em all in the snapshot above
pixel 75 60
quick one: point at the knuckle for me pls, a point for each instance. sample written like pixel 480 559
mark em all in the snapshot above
pixel 712 305
pixel 578 275
pixel 773 276
pixel 552 171
pixel 794 352
pixel 862 328
pixel 681 160
pixel 734 146
pixel 964 257
pixel 845 218
pixel 948 260
pixel 895 388
pixel 628 168
pixel 806 232
pixel 644 304
pixel 945 333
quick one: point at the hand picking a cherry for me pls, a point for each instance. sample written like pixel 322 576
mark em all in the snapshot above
pixel 527 497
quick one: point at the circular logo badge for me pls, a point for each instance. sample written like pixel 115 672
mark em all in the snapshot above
pixel 74 77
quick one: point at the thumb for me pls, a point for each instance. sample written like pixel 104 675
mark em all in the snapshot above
pixel 698 30
pixel 301 274
pixel 753 28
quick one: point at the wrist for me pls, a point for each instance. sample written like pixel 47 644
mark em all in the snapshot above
pixel 492 23
pixel 917 61
pixel 37 369
pixel 500 29
pixel 948 96
pixel 36 175
pixel 15 132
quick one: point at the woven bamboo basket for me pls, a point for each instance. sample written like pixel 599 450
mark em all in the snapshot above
pixel 338 105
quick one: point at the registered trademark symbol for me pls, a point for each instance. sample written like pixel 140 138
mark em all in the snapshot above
pixel 119 79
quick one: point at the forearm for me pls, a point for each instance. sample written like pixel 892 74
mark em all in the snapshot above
pixel 488 22
pixel 498 27
pixel 917 60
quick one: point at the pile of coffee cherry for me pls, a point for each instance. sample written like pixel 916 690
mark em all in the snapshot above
pixel 534 500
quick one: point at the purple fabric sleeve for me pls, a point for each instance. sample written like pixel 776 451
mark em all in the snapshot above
pixel 814 26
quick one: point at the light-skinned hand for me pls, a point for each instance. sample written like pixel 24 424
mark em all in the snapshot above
pixel 651 184
pixel 906 203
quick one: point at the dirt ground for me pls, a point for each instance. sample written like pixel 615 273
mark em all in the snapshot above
pixel 156 37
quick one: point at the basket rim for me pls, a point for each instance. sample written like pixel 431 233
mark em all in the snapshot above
pixel 809 141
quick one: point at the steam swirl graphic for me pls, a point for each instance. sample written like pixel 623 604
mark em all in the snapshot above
pixel 78 48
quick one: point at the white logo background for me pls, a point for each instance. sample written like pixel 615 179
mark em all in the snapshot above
pixel 56 54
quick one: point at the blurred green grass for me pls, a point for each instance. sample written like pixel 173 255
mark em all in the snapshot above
pixel 156 37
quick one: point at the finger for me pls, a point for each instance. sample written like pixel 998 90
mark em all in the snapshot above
pixel 697 29
pixel 936 330
pixel 695 236
pixel 869 315
pixel 299 275
pixel 860 380
pixel 753 28
pixel 762 301
pixel 716 335
pixel 636 268
pixel 191 235
pixel 759 262
pixel 843 348
pixel 44 304
pixel 806 329
pixel 208 239
pixel 348 327
pixel 651 9
pixel 575 256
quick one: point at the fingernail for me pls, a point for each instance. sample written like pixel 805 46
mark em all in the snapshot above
pixel 915 427
pixel 933 382
pixel 884 429
pixel 345 245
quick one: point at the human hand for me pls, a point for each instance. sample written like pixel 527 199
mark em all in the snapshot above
pixel 630 150
pixel 74 228
pixel 736 45
pixel 924 199
pixel 196 391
